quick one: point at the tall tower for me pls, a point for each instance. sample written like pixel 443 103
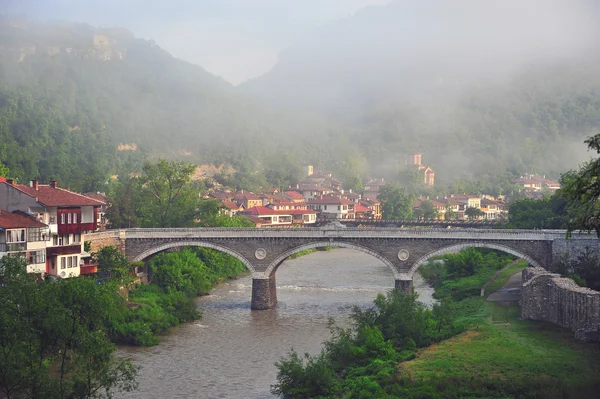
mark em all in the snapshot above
pixel 413 159
pixel 309 170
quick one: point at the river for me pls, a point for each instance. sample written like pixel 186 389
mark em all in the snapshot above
pixel 231 352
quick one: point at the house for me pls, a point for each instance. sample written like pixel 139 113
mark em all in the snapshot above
pixel 372 187
pixel 247 199
pixel 231 208
pixel 362 212
pixel 532 182
pixel 310 191
pixel 333 207
pixel 283 205
pixel 491 209
pixel 294 196
pixel 69 216
pixel 276 218
pixel 374 205
pixel 102 221
pixel 23 235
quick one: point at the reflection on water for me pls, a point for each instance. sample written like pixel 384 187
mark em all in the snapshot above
pixel 231 352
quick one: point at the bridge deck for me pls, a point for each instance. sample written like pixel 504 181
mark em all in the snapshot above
pixel 433 233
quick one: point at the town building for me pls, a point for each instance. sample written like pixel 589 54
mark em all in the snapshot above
pixel 268 217
pixel 67 214
pixel 22 235
pixel 333 207
pixel 414 160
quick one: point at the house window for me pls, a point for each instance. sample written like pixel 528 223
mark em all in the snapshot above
pixel 15 235
pixel 37 257
pixel 69 262
pixel 55 240
pixel 63 218
pixel 69 217
pixel 66 239
pixel 63 263
pixel 75 218
pixel 339 207
pixel 76 237
pixel 52 220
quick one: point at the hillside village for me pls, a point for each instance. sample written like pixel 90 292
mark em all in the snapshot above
pixel 47 223
pixel 319 196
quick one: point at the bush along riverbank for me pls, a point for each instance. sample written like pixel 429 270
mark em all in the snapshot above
pixel 178 278
pixel 463 347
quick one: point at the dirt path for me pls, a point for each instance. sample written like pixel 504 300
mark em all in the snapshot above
pixel 511 292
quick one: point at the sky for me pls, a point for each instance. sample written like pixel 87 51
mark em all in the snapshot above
pixel 234 39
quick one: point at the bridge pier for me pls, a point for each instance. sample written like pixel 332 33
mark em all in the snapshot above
pixel 264 293
pixel 404 285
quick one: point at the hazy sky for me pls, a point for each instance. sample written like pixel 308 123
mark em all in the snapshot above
pixel 235 39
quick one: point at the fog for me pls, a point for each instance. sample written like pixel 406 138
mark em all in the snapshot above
pixel 479 87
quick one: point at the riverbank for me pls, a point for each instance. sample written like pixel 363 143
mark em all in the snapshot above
pixel 179 278
pixel 463 347
pixel 501 356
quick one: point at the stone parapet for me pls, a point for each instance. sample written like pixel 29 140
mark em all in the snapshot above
pixel 104 238
pixel 549 297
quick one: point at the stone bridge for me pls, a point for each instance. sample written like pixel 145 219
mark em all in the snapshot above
pixel 402 250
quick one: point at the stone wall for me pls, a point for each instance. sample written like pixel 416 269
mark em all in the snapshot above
pixel 575 246
pixel 549 297
pixel 104 238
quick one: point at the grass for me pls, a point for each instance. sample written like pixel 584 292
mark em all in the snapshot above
pixel 499 349
pixel 503 277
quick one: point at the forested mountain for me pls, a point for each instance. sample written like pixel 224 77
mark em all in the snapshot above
pixel 479 87
pixel 74 92
pixel 482 93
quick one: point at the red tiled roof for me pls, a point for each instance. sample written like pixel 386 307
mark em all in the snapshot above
pixel 50 196
pixel 294 195
pixel 14 221
pixel 2 179
pixel 231 205
pixel 247 196
pixel 360 208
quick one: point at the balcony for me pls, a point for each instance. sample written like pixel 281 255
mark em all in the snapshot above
pixel 88 268
pixel 64 250
pixel 13 247
pixel 76 228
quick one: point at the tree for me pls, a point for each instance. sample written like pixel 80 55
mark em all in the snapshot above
pixel 541 214
pixel 474 213
pixel 54 338
pixel 581 191
pixel 429 211
pixel 112 261
pixel 169 200
pixel 450 214
pixel 396 202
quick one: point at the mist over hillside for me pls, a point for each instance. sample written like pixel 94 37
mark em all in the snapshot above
pixel 485 90
pixel 131 91
pixel 477 86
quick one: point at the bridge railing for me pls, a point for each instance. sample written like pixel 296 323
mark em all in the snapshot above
pixel 455 233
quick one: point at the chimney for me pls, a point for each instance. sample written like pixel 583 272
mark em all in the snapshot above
pixel 53 184
pixel 10 181
pixel 34 183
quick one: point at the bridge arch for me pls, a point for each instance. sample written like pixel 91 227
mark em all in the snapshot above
pixel 193 243
pixel 274 265
pixel 456 248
